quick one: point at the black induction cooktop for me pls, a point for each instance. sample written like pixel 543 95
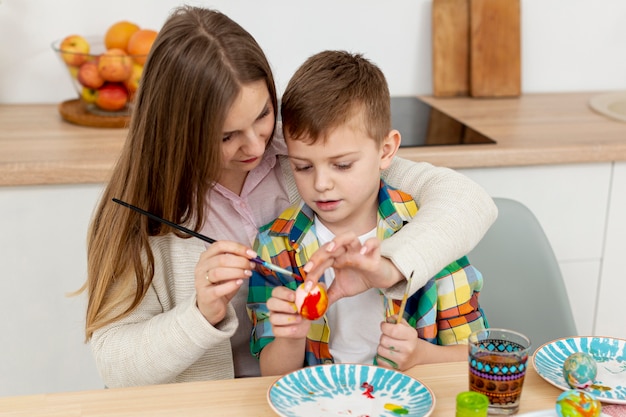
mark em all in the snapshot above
pixel 420 124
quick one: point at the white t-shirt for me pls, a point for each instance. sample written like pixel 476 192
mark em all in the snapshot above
pixel 354 321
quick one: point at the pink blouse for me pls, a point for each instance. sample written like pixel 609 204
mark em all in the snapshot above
pixel 237 218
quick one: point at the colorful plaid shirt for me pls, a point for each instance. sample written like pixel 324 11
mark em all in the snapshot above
pixel 445 311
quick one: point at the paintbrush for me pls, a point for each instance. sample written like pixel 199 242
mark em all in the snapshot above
pixel 404 298
pixel 190 232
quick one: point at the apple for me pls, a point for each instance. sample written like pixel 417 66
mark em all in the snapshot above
pixel 311 304
pixel 89 76
pixel 89 94
pixel 74 50
pixel 115 65
pixel 111 96
pixel 132 83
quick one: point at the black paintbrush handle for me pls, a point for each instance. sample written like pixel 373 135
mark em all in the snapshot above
pixel 167 222
pixel 190 232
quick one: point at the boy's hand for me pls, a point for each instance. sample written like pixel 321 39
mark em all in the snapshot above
pixel 358 267
pixel 399 346
pixel 284 316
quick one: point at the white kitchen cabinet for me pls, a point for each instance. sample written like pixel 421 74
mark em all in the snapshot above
pixel 570 202
pixel 44 257
pixel 611 307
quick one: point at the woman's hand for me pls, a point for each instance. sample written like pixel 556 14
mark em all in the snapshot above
pixel 358 267
pixel 219 273
pixel 284 316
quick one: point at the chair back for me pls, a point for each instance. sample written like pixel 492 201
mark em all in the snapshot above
pixel 523 287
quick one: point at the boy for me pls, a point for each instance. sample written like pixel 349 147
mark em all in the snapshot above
pixel 337 126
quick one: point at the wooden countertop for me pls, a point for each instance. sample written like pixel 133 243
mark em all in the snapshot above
pixel 245 397
pixel 535 129
pixel 38 147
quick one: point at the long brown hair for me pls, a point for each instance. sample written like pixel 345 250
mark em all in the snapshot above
pixel 172 156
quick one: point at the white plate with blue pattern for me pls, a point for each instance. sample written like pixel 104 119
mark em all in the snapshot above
pixel 349 390
pixel 609 354
pixel 547 413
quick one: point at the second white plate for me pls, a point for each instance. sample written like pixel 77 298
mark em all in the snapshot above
pixel 612 105
pixel 609 354
pixel 546 413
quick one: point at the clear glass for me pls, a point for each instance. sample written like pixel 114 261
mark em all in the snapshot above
pixel 497 367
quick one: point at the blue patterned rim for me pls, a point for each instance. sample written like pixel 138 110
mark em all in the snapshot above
pixel 609 354
pixel 331 390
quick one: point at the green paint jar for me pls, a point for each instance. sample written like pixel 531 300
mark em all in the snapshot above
pixel 471 404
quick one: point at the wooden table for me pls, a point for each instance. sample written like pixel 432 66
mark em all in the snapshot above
pixel 241 397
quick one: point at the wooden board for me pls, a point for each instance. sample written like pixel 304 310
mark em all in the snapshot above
pixel 495 67
pixel 450 43
pixel 74 111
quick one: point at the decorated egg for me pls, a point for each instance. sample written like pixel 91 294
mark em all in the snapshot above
pixel 311 304
pixel 579 370
pixel 576 403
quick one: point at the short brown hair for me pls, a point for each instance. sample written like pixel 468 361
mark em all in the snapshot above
pixel 331 87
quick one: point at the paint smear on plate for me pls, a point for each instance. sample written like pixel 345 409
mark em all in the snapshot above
pixel 396 409
pixel 368 389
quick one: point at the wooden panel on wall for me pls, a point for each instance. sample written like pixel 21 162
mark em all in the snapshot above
pixel 450 32
pixel 495 67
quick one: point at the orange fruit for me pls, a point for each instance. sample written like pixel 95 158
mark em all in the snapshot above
pixel 140 43
pixel 118 34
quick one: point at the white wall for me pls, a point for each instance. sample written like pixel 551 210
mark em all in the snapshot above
pixel 567 45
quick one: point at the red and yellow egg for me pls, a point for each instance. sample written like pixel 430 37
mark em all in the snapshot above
pixel 311 304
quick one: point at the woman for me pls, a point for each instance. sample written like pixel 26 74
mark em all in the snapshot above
pixel 203 150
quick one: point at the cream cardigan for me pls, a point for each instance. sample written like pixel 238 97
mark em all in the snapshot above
pixel 166 339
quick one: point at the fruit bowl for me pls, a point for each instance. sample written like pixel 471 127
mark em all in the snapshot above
pixel 105 79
